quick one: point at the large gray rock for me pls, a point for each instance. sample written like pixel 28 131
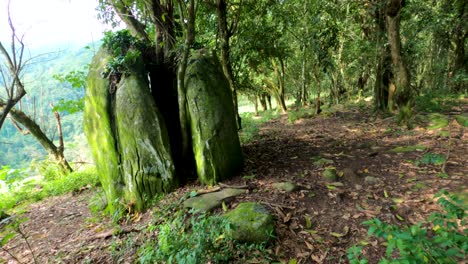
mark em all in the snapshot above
pixel 215 141
pixel 210 201
pixel 252 223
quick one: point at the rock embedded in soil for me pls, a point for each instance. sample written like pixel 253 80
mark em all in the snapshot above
pixel 285 186
pixel 215 141
pixel 210 201
pixel 371 180
pixel 252 223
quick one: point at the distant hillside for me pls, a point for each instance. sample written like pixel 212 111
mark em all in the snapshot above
pixel 19 150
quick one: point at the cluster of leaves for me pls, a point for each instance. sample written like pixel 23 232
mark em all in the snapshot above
pixel 432 158
pixel 436 101
pixel 443 241
pixel 9 175
pixel 77 80
pixel 124 49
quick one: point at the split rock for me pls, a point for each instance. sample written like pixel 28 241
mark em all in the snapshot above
pixel 252 223
pixel 210 201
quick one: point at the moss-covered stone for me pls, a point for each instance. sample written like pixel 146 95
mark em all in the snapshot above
pixel 215 141
pixel 146 162
pixel 97 127
pixel 210 201
pixel 252 223
pixel 127 136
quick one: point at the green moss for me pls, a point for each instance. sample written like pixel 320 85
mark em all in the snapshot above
pixel 252 223
pixel 97 128
pixel 146 159
pixel 127 136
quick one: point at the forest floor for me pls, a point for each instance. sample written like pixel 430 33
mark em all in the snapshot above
pixel 316 223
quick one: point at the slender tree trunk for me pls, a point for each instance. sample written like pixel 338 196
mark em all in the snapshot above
pixel 304 94
pixel 181 89
pixel 226 34
pixel 54 152
pixel 461 33
pixel 279 92
pixel 263 102
pixel 255 98
pixel 403 93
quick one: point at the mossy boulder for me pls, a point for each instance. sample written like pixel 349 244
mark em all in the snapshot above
pixel 251 223
pixel 97 121
pixel 127 135
pixel 215 141
pixel 146 161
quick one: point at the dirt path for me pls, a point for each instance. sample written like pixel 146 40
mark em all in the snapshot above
pixel 315 224
pixel 359 147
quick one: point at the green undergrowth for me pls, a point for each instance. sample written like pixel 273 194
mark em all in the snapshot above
pixel 185 236
pixel 299 113
pixel 251 124
pixel 439 239
pixel 436 101
pixel 24 188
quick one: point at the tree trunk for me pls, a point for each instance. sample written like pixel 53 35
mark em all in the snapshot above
pixel 55 152
pixel 279 91
pixel 403 93
pixel 186 152
pixel 304 94
pixel 460 36
pixel 263 102
pixel 225 35
pixel 255 99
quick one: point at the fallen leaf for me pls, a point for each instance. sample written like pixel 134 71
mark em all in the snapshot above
pixel 399 217
pixel 287 217
pixel 308 221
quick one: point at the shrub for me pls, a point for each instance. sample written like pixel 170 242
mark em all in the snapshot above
pixel 197 238
pixel 442 240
